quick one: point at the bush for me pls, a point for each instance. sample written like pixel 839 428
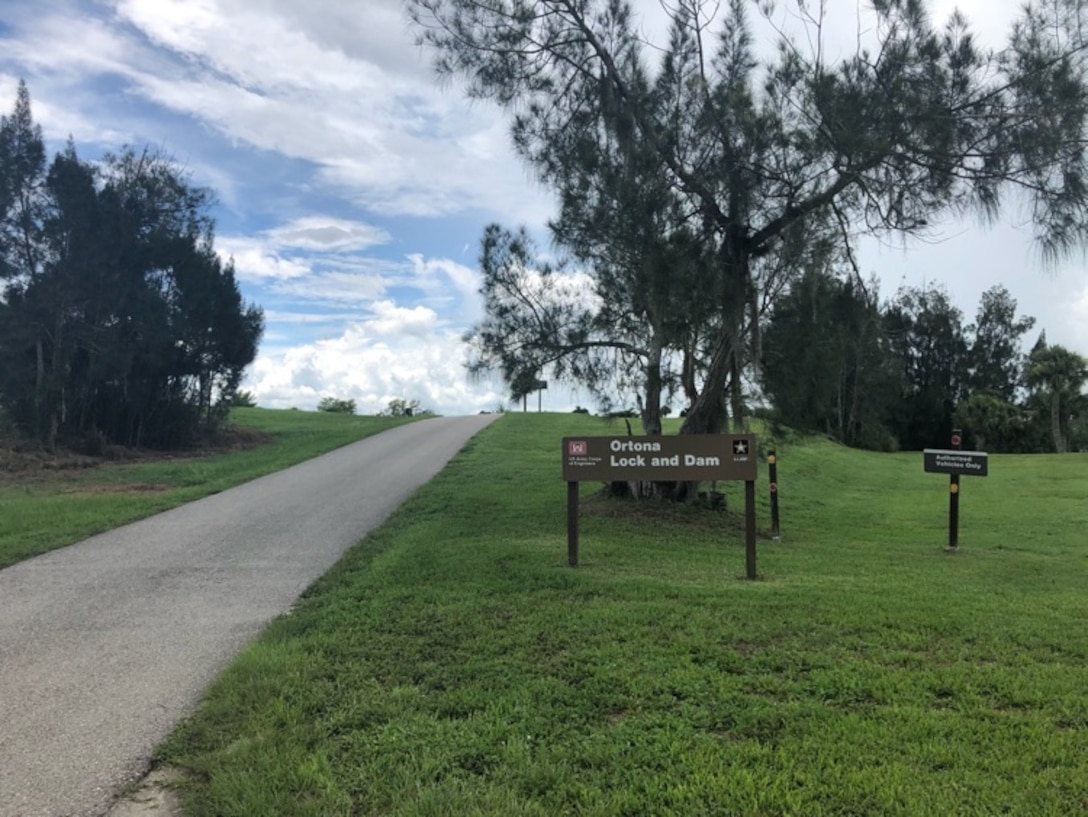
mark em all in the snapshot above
pixel 243 399
pixel 400 407
pixel 332 404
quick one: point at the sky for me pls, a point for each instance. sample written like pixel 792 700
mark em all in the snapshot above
pixel 353 186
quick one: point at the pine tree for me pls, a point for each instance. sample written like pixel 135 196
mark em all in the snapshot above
pixel 22 178
pixel 761 154
pixel 118 319
pixel 995 359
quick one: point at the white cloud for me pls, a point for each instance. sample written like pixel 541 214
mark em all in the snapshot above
pixel 1076 323
pixel 334 287
pixel 391 320
pixel 340 318
pixel 255 261
pixel 334 84
pixel 464 279
pixel 355 365
pixel 89 45
pixel 250 46
pixel 313 259
pixel 386 138
pixel 327 234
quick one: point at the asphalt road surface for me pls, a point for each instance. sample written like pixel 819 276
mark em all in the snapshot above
pixel 104 645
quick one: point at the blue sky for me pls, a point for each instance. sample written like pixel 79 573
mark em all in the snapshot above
pixel 353 187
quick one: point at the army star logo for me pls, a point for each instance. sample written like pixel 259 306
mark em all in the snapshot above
pixel 740 448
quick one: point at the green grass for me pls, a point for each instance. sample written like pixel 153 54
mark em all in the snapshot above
pixel 452 664
pixel 47 510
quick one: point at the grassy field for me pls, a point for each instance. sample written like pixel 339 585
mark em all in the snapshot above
pixel 45 507
pixel 453 665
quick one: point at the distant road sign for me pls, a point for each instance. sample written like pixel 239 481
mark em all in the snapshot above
pixel 966 463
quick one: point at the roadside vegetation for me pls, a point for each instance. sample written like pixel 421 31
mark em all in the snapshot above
pixel 48 500
pixel 452 664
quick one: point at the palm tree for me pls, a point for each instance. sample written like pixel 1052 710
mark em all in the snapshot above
pixel 1058 374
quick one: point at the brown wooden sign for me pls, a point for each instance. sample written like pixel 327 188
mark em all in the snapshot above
pixel 677 458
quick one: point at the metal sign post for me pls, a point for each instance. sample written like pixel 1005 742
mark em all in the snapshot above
pixel 772 477
pixel 954 497
pixel 955 463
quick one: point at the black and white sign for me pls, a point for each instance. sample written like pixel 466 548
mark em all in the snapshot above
pixel 965 463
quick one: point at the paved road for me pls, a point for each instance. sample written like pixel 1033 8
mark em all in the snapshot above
pixel 105 644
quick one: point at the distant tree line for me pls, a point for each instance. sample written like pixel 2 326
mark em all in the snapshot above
pixel 906 373
pixel 118 321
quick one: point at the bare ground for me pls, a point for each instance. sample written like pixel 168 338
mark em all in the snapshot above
pixel 23 461
pixel 154 796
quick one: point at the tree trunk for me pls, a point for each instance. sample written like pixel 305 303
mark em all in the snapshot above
pixel 687 372
pixel 736 391
pixel 856 405
pixel 1056 421
pixel 707 414
pixel 651 409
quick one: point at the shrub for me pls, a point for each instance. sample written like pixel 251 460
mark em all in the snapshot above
pixel 399 407
pixel 332 404
pixel 243 399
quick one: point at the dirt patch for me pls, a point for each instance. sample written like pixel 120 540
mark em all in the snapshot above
pixel 23 462
pixel 156 795
pixel 19 460
pixel 100 488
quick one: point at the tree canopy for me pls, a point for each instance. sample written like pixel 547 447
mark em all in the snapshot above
pixel 711 165
pixel 118 321
pixel 907 372
pixel 1058 375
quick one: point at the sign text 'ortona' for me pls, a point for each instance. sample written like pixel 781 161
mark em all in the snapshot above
pixel 663 459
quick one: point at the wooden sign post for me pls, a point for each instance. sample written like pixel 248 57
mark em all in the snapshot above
pixel 679 458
